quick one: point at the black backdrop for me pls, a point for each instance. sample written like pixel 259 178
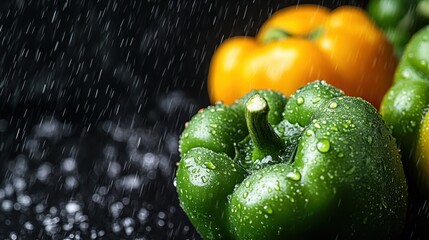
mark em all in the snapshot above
pixel 93 96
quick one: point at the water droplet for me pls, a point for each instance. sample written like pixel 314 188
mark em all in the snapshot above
pixel 210 165
pixel 316 100
pixel 204 179
pixel 295 176
pixel 317 125
pixel 406 74
pixel 247 184
pixel 340 155
pixel 24 200
pixel 369 139
pixel 72 207
pixel 29 226
pixel 68 165
pixel 116 209
pixel 309 132
pixel 245 194
pixel 7 205
pixel 323 145
pixel 333 105
pixel 277 186
pixel 268 209
pixel 300 100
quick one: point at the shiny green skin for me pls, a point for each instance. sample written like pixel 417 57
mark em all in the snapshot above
pixel 399 19
pixel 407 101
pixel 339 176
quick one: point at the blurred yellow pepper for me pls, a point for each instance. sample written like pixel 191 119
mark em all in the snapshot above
pixel 303 43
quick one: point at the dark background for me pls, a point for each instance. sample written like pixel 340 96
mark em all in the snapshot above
pixel 93 97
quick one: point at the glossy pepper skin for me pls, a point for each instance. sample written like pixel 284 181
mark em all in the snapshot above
pixel 399 19
pixel 405 109
pixel 326 168
pixel 302 43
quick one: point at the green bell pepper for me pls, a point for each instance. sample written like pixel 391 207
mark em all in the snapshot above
pixel 327 168
pixel 405 109
pixel 399 19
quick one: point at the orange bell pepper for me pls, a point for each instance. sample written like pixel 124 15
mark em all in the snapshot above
pixel 303 43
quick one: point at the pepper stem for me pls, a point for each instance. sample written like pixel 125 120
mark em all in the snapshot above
pixel 277 34
pixel 265 141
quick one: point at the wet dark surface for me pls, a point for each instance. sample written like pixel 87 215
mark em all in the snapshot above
pixel 93 97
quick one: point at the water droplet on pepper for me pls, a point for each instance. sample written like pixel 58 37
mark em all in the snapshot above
pixel 295 176
pixel 268 209
pixel 323 145
pixel 210 165
pixel 333 105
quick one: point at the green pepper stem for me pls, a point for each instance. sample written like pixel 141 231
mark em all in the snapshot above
pixel 266 142
pixel 276 34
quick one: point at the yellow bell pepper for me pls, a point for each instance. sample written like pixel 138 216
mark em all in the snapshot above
pixel 303 43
